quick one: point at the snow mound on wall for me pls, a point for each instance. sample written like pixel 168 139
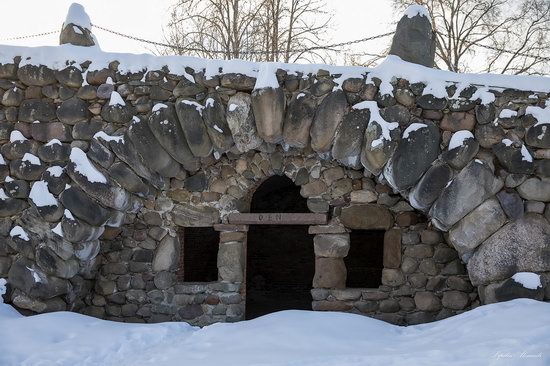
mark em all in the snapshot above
pixel 499 334
pixel 415 10
pixel 528 280
pixel 78 16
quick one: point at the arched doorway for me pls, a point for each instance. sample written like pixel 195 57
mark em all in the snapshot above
pixel 280 258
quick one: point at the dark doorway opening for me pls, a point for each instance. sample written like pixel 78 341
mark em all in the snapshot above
pixel 199 254
pixel 364 261
pixel 280 258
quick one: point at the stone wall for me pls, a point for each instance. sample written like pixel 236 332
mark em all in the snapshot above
pixel 101 167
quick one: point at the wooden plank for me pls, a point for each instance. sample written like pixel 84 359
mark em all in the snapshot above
pixel 230 227
pixel 277 218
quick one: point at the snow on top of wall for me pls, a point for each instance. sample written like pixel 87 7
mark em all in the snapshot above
pixel 31 159
pixel 17 231
pixel 197 106
pixel 266 77
pixel 58 229
pixel 55 171
pixel 525 155
pixel 41 196
pixel 459 137
pixel 507 113
pixel 157 107
pixel 77 15
pixel 85 167
pixel 116 99
pixel 413 127
pixel 102 135
pixel 53 142
pixel 392 67
pixel 528 280
pixel 17 136
pixel 375 117
pixel 542 115
pixel 415 10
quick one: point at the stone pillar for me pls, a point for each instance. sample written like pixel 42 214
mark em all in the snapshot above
pixel 414 38
pixel 232 253
pixel 76 29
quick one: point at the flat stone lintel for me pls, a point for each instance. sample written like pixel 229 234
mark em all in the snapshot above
pixel 278 218
pixel 230 227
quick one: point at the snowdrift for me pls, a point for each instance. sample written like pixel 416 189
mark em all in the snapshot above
pixel 512 333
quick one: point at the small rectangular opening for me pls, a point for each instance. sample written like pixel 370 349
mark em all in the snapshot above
pixel 364 261
pixel 199 254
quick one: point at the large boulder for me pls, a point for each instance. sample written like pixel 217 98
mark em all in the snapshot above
pixel 539 136
pixel 268 104
pixel 366 217
pixel 94 182
pixel 76 230
pixel 32 110
pixel 349 138
pixel 520 246
pixel 190 117
pixel 473 185
pixel 36 75
pixel 127 179
pixel 27 277
pixel 377 150
pixel 147 146
pixel 514 159
pixel 216 123
pixel 76 28
pixel 83 207
pixel 298 120
pixel 164 124
pixel 117 111
pixel 462 149
pixel 167 254
pixel 414 38
pixel 240 119
pixel 416 151
pixel 124 149
pixel 73 110
pixel 535 189
pixel 430 186
pixel 477 226
pixel 328 118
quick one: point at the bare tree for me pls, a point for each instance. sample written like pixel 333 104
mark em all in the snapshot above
pixel 261 30
pixel 503 36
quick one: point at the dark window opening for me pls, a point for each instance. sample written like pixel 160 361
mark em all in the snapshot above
pixel 199 254
pixel 280 258
pixel 364 261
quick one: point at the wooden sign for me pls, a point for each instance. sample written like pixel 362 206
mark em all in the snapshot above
pixel 277 218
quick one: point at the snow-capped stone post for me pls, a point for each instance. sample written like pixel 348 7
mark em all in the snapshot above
pixel 414 38
pixel 268 104
pixel 76 29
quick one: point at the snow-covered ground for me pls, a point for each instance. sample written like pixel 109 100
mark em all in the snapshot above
pixel 511 333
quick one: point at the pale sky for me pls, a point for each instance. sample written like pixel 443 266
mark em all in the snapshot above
pixel 353 19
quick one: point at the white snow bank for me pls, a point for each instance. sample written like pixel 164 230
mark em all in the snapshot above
pixel 510 333
pixel 459 137
pixel 528 280
pixel 41 196
pixel 17 231
pixel 77 16
pixel 375 117
pixel 415 10
pixel 85 167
